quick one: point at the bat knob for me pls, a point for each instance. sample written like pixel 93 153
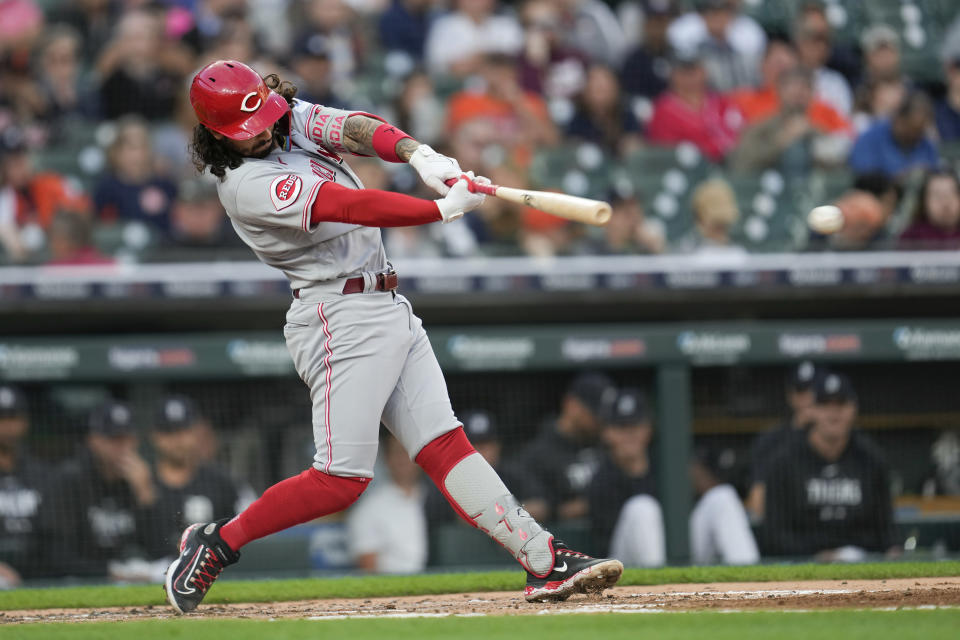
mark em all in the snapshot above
pixel 603 214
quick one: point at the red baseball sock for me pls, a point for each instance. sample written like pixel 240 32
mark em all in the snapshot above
pixel 292 501
pixel 478 495
pixel 440 456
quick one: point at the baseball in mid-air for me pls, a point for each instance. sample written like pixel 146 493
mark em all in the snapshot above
pixel 826 219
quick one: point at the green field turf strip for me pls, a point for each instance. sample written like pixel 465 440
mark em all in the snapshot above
pixel 822 625
pixel 373 586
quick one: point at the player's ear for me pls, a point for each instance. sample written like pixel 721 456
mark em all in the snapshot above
pixel 217 135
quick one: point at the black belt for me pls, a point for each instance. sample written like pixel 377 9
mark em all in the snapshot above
pixel 385 282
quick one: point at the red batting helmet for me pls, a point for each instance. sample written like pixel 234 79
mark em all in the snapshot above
pixel 231 98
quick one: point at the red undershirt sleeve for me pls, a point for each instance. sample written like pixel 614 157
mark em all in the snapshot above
pixel 370 207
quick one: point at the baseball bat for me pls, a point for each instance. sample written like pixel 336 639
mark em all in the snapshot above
pixel 595 212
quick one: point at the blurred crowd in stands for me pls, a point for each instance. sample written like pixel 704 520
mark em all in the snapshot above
pixel 712 125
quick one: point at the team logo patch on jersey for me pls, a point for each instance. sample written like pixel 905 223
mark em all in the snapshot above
pixel 285 190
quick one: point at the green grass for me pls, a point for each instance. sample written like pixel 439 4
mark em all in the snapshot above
pixel 372 586
pixel 822 625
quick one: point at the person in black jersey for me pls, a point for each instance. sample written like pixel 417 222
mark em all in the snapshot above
pixel 799 396
pixel 100 519
pixel 565 454
pixel 23 483
pixel 625 515
pixel 188 489
pixel 828 494
pixel 484 433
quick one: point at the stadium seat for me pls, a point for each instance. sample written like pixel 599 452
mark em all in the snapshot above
pixel 664 177
pixel 658 160
pixel 108 238
pixel 823 187
pixel 586 171
pixel 950 153
pixel 60 160
pixel 767 212
pixel 669 209
pixel 130 238
pixel 75 154
pixel 941 12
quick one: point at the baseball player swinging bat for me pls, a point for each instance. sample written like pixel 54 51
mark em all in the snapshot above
pixel 585 210
pixel 355 341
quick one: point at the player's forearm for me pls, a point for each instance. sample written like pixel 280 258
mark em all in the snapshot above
pixel 371 207
pixel 366 134
pixel 358 136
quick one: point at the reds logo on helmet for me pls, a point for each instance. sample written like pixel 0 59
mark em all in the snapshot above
pixel 285 190
pixel 232 99
pixel 244 106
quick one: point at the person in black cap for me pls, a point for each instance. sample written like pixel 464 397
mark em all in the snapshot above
pixel 647 68
pixel 481 428
pixel 101 514
pixel 188 489
pixel 23 486
pixel 564 456
pixel 828 494
pixel 719 528
pixel 799 396
pixel 311 62
pixel 624 511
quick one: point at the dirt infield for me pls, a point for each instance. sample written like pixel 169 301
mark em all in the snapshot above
pixel 854 594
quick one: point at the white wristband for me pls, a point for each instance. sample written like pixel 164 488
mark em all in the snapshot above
pixel 448 212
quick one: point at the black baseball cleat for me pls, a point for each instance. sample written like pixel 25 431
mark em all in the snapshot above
pixel 203 555
pixel 573 572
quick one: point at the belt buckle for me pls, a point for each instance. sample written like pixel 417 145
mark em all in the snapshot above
pixel 388 281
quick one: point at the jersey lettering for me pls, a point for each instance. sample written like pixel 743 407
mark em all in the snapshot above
pixel 315 132
pixel 834 492
pixel 19 503
pixel 316 129
pixel 330 155
pixel 323 172
pixel 110 523
pixel 335 134
pixel 284 191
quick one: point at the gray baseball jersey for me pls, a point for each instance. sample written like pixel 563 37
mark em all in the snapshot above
pixel 365 356
pixel 269 200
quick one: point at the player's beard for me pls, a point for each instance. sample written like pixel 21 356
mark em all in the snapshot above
pixel 264 151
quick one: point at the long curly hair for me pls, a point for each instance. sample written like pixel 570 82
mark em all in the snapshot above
pixel 207 151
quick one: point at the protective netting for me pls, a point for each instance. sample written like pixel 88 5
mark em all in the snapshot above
pixel 73 504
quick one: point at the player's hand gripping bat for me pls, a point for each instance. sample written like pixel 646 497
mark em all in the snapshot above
pixel 584 210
